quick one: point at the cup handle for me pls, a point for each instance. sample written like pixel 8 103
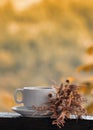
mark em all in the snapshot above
pixel 15 96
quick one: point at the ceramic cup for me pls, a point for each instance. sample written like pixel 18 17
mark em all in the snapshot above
pixel 33 96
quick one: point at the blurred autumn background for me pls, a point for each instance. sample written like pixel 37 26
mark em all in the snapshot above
pixel 44 40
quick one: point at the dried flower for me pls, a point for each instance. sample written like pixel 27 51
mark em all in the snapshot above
pixel 66 102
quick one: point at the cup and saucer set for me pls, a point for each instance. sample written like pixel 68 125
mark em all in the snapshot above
pixel 36 96
pixel 32 96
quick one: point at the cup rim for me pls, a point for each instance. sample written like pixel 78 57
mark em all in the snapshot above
pixel 38 88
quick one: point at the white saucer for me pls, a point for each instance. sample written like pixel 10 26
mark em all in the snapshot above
pixel 29 112
pixel 33 113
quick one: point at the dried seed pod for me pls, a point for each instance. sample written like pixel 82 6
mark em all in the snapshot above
pixel 50 95
pixel 67 81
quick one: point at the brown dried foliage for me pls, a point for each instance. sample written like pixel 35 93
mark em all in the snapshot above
pixel 67 101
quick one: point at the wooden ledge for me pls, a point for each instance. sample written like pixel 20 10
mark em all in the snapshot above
pixel 14 121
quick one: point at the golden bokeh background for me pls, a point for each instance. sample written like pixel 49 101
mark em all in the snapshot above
pixel 44 40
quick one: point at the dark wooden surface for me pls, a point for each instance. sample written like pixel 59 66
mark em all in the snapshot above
pixel 14 121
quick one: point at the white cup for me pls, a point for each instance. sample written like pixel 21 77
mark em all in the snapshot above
pixel 33 96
